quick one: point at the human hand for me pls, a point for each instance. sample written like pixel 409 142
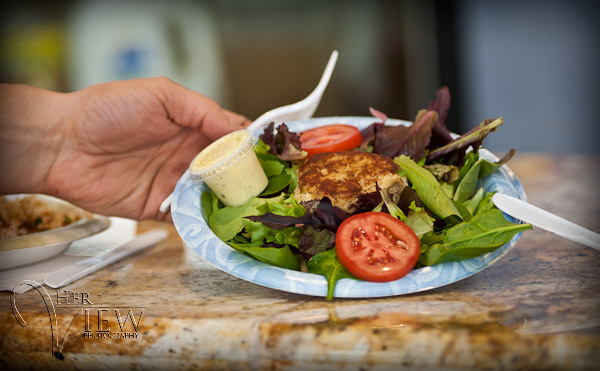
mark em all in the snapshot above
pixel 124 145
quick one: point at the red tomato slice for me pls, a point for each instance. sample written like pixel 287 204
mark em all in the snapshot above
pixel 330 138
pixel 376 247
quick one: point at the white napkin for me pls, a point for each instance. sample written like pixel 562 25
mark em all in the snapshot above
pixel 120 231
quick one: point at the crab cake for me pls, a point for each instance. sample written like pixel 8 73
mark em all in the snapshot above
pixel 349 179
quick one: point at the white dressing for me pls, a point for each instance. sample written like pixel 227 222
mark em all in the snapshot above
pixel 230 168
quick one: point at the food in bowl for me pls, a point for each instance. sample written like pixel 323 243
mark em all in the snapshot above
pixel 38 227
pixel 30 214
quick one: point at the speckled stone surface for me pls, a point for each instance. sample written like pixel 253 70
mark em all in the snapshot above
pixel 537 308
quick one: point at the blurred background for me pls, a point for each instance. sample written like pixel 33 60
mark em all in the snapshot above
pixel 536 63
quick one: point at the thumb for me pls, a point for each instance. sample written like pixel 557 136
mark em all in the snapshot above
pixel 193 110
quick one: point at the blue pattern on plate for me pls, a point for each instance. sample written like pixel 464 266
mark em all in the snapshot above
pixel 193 229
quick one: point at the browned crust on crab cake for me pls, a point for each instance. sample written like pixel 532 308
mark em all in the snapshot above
pixel 345 177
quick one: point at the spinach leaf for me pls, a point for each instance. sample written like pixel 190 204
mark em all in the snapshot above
pixel 474 201
pixel 493 166
pixel 279 256
pixel 468 161
pixel 431 238
pixel 486 203
pixel 328 265
pixel 479 170
pixel 276 170
pixel 227 222
pixel 276 183
pixel 485 232
pixel 428 189
pixel 272 167
pixel 210 203
pixel 464 212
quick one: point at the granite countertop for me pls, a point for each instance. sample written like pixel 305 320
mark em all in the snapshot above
pixel 538 307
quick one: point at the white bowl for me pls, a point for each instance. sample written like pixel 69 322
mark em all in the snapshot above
pixel 35 247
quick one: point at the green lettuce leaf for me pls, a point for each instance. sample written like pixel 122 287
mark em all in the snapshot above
pixel 260 233
pixel 227 221
pixel 419 221
pixel 428 189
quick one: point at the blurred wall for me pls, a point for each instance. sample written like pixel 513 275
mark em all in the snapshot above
pixel 536 64
pixel 109 40
pixel 275 52
pixel 250 56
pixel 533 62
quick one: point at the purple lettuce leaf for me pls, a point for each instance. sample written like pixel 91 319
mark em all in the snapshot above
pixel 315 241
pixel 441 104
pixel 367 201
pixel 368 135
pixel 285 144
pixel 392 141
pixel 268 136
pixel 320 214
pixel 331 216
pixel 440 135
pixel 378 114
pixel 455 150
pixel 408 196
pixel 279 221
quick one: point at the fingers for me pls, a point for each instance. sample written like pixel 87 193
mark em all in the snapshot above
pixel 237 119
pixel 164 217
pixel 191 109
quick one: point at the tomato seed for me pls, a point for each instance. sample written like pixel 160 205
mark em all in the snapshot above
pixel 401 244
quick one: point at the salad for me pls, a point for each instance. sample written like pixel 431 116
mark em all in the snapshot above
pixel 441 213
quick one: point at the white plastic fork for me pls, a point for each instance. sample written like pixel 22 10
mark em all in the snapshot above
pixel 296 111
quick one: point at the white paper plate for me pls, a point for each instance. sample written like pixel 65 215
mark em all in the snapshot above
pixel 192 227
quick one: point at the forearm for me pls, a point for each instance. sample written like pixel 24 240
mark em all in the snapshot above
pixel 32 131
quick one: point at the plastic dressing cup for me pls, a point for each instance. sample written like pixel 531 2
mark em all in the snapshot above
pixel 230 168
